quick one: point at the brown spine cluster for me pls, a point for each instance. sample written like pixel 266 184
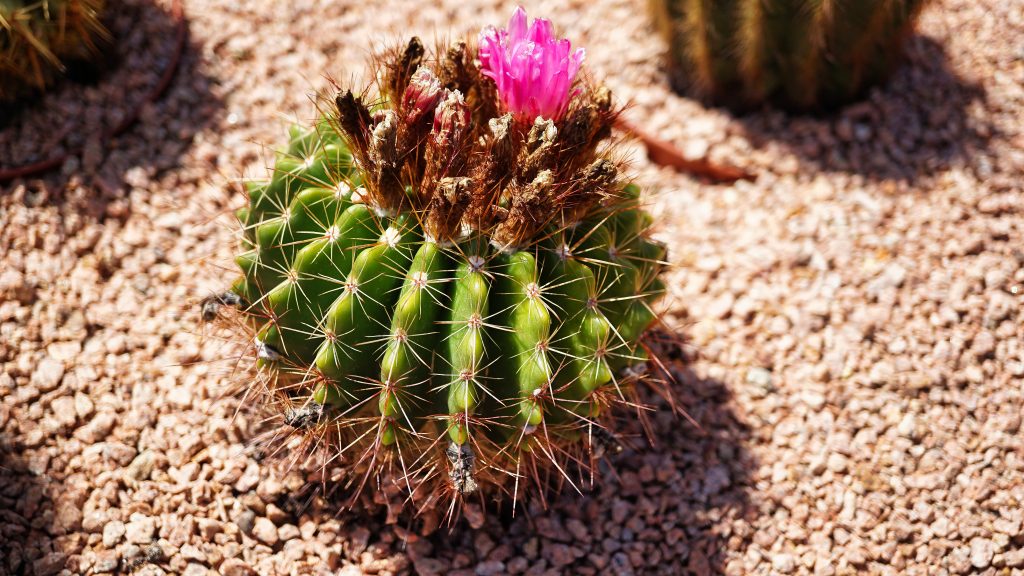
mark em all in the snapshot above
pixel 437 143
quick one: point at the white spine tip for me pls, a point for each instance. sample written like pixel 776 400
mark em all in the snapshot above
pixel 503 248
pixel 384 212
pixel 430 239
pixel 635 371
pixel 391 237
pixel 419 280
pixel 564 252
pixel 264 352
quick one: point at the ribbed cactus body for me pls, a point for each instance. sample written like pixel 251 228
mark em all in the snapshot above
pixel 39 37
pixel 378 321
pixel 796 53
pixel 440 281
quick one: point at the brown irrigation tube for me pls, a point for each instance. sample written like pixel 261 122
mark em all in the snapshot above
pixel 665 154
pixel 178 12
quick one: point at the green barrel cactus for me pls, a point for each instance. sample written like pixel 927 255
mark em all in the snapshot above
pixel 798 54
pixel 38 37
pixel 444 281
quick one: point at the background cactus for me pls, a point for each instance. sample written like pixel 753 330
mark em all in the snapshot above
pixel 796 53
pixel 38 37
pixel 449 283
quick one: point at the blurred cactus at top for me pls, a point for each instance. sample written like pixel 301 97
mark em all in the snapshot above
pixel 39 37
pixel 799 54
pixel 447 277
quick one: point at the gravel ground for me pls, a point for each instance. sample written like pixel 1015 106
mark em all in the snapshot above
pixel 854 316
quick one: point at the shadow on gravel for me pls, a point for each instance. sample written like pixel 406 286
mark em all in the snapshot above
pixel 86 118
pixel 26 515
pixel 666 508
pixel 918 123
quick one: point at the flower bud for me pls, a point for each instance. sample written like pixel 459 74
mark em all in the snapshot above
pixel 421 96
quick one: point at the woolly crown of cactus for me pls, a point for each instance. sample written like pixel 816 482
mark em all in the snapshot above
pixel 446 279
pixel 38 37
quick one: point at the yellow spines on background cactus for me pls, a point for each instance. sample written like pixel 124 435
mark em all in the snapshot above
pixel 38 38
pixel 796 53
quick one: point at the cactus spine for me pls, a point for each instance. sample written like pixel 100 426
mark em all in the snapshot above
pixel 796 53
pixel 446 287
pixel 38 37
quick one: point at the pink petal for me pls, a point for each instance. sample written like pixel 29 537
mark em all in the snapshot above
pixel 517 24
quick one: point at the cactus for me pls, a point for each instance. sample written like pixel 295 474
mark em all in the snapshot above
pixel 795 53
pixel 38 37
pixel 446 280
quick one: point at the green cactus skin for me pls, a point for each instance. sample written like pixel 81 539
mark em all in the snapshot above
pixel 38 37
pixel 444 292
pixel 420 340
pixel 798 54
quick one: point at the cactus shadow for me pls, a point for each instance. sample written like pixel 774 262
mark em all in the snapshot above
pixel 917 123
pixel 661 507
pixel 26 513
pixel 83 125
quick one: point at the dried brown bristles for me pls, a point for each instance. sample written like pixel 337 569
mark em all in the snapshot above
pixel 437 145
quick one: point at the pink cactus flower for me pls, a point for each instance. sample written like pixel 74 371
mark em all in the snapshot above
pixel 533 69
